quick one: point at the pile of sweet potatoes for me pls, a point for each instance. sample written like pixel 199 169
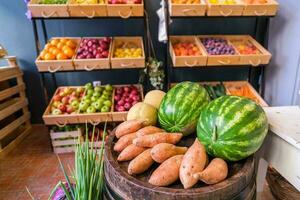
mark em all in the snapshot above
pixel 143 145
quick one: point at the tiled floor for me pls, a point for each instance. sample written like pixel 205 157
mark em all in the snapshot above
pixel 33 165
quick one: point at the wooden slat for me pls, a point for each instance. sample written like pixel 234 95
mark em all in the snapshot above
pixel 14 125
pixel 7 73
pixel 11 91
pixel 19 104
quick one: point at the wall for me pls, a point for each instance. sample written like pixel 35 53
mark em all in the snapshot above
pixel 17 36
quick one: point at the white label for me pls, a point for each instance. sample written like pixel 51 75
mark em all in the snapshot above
pixel 96 83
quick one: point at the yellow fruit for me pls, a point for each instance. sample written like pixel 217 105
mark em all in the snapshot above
pixel 49 56
pixel 42 54
pixel 143 111
pixel 54 42
pixel 154 98
pixel 61 56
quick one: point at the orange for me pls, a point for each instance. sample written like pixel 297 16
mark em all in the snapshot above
pixel 60 45
pixel 52 49
pixel 71 44
pixel 55 51
pixel 42 54
pixel 66 48
pixel 64 40
pixel 49 56
pixel 61 56
pixel 48 46
pixel 69 53
pixel 54 42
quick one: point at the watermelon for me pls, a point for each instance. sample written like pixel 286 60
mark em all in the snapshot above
pixel 232 128
pixel 181 107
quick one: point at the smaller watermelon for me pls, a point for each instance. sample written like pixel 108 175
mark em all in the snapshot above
pixel 232 128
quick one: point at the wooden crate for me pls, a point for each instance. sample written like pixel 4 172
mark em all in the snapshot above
pixel 187 61
pixel 268 9
pixel 187 9
pixel 13 99
pixel 121 63
pixel 93 64
pixel 47 10
pixel 252 59
pixel 220 60
pixel 53 66
pixel 125 11
pixel 235 87
pixel 87 10
pixel 65 142
pixel 225 10
pixel 59 120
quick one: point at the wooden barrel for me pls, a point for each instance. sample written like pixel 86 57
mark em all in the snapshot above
pixel 240 183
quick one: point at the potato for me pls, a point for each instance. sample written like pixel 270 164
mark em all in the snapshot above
pixel 148 130
pixel 215 172
pixel 167 173
pixel 141 163
pixel 128 127
pixel 124 141
pixel 163 151
pixel 157 138
pixel 193 161
pixel 130 153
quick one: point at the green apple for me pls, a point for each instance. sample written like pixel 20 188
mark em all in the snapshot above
pixel 91 109
pixel 104 96
pixel 108 87
pixel 88 86
pixel 105 109
pixel 86 98
pixel 83 106
pixel 56 112
pixel 98 105
pixel 97 89
pixel 89 92
pixel 107 103
pixel 88 101
pixel 106 92
pixel 97 94
pixel 93 98
pixel 75 104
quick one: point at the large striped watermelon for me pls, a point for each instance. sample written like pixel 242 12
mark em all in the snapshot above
pixel 181 107
pixel 232 127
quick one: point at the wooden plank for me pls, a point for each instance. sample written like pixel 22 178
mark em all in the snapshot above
pixel 7 73
pixel 14 125
pixel 19 104
pixel 11 91
pixel 14 143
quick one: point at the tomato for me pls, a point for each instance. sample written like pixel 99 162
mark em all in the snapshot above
pixel 69 52
pixel 60 45
pixel 54 42
pixel 42 54
pixel 71 44
pixel 49 56
pixel 61 56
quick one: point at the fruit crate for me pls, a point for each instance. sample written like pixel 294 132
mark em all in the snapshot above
pixel 53 66
pixel 125 10
pixel 270 8
pixel 14 114
pixel 121 63
pixel 87 10
pixel 217 60
pixel 263 57
pixel 95 63
pixel 65 142
pixel 47 10
pixel 187 61
pixel 187 10
pixel 225 10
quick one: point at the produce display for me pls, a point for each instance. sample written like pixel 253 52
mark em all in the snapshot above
pixel 126 97
pixel 91 48
pixel 90 1
pixel 128 50
pixel 218 46
pixel 245 47
pixel 225 2
pixel 181 107
pixel 238 129
pixel 53 1
pixel 186 1
pixel 243 91
pixel 215 91
pixel 186 49
pixel 96 99
pixel 66 100
pixel 124 1
pixel 66 128
pixel 58 49
pixel 256 1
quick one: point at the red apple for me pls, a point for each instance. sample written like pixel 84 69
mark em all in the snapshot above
pixel 69 109
pixel 127 106
pixel 65 100
pixel 57 98
pixel 62 108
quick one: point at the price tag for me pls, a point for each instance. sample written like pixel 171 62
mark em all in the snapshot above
pixel 97 83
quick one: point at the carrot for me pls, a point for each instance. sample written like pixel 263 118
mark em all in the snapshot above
pixel 124 141
pixel 193 161
pixel 130 153
pixel 167 173
pixel 157 138
pixel 215 172
pixel 128 127
pixel 141 163
pixel 148 130
pixel 163 151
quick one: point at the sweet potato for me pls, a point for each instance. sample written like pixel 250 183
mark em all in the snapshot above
pixel 148 130
pixel 124 142
pixel 130 152
pixel 193 161
pixel 141 163
pixel 163 151
pixel 215 172
pixel 157 138
pixel 128 127
pixel 167 173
